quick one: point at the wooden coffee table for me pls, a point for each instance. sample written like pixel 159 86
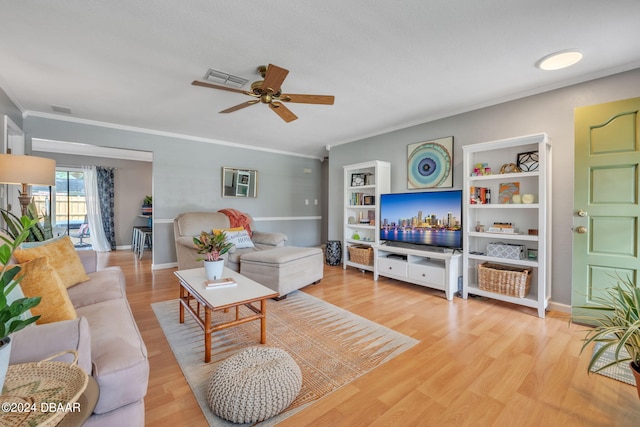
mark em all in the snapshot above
pixel 200 302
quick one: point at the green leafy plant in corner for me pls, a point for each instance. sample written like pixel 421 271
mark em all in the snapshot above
pixel 616 317
pixel 212 245
pixel 37 233
pixel 11 313
pixel 148 201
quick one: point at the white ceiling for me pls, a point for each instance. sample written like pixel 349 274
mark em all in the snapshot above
pixel 390 64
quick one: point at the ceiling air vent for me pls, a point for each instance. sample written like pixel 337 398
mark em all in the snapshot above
pixel 226 79
pixel 59 109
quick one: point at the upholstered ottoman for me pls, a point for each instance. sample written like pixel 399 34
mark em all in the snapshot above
pixel 284 269
pixel 254 384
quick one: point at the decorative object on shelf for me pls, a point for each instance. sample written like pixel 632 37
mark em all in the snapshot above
pixel 528 162
pixel 479 195
pixel 528 198
pixel 479 227
pixel 532 254
pixel 358 179
pixel 351 220
pixel 516 199
pixel 355 236
pixel 505 250
pixel 481 169
pixel 429 164
pixel 506 192
pixel 333 255
pixel 532 232
pixel 510 168
pixel 504 279
pixel 616 328
pixel 369 200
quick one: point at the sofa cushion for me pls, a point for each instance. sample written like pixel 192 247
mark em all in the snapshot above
pixel 62 255
pixel 104 285
pixel 39 279
pixel 119 356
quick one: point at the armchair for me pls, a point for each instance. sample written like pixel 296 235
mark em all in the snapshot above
pixel 190 224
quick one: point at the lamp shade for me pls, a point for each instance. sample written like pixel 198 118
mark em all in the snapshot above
pixel 19 169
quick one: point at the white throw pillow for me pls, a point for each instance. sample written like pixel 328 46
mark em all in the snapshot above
pixel 240 239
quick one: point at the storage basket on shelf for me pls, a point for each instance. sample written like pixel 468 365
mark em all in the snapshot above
pixel 503 279
pixel 361 254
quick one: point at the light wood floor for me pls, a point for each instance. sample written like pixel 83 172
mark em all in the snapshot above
pixel 478 363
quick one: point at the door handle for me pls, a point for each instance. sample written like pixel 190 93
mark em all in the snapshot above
pixel 580 229
pixel 582 213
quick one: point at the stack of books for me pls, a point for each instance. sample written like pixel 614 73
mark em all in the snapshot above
pixel 219 283
pixel 502 227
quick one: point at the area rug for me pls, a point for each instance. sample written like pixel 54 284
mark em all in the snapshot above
pixel 621 371
pixel 332 346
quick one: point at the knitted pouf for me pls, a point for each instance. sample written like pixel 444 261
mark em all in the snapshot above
pixel 254 384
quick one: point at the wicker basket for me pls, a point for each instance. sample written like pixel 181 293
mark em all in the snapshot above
pixel 503 279
pixel 361 254
pixel 36 385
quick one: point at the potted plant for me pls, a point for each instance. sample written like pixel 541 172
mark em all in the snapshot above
pixel 147 205
pixel 11 312
pixel 212 246
pixel 617 327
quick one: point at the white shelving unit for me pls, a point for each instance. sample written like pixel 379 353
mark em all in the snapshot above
pixel 363 184
pixel 523 216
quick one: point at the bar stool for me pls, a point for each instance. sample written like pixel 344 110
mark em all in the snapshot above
pixel 145 239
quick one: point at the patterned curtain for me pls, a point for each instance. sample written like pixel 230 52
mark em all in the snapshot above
pixel 105 178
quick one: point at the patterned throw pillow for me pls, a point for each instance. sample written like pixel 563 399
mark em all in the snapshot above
pixel 240 239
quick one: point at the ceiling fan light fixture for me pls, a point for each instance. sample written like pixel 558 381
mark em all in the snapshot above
pixel 226 79
pixel 560 60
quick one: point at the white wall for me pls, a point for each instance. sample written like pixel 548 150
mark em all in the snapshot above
pixel 550 112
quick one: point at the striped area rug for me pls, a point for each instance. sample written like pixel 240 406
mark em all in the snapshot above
pixel 332 346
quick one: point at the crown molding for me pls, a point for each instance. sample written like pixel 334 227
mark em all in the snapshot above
pixel 50 116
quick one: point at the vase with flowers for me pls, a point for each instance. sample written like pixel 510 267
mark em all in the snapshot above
pixel 212 245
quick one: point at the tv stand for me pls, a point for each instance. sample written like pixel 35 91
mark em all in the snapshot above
pixel 435 269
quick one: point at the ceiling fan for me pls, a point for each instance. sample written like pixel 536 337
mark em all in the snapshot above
pixel 268 91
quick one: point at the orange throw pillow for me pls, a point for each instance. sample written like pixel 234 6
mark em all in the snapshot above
pixel 62 256
pixel 41 280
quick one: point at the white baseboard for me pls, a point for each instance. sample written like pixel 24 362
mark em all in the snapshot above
pixel 164 266
pixel 562 308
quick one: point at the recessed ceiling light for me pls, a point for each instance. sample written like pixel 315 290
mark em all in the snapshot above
pixel 559 60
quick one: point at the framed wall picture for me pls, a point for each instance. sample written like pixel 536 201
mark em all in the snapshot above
pixel 429 164
pixel 528 162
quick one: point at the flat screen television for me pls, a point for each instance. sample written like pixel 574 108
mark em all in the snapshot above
pixel 431 218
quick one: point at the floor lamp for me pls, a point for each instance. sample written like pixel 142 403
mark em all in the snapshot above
pixel 27 170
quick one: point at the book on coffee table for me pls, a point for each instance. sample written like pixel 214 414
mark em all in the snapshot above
pixel 218 283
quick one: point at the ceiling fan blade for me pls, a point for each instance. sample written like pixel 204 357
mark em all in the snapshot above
pixel 273 78
pixel 240 106
pixel 307 99
pixel 284 113
pixel 212 86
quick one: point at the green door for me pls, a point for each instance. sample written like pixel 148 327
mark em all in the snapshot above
pixel 606 211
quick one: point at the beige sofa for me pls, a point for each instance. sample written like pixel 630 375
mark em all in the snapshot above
pixel 108 342
pixel 190 224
